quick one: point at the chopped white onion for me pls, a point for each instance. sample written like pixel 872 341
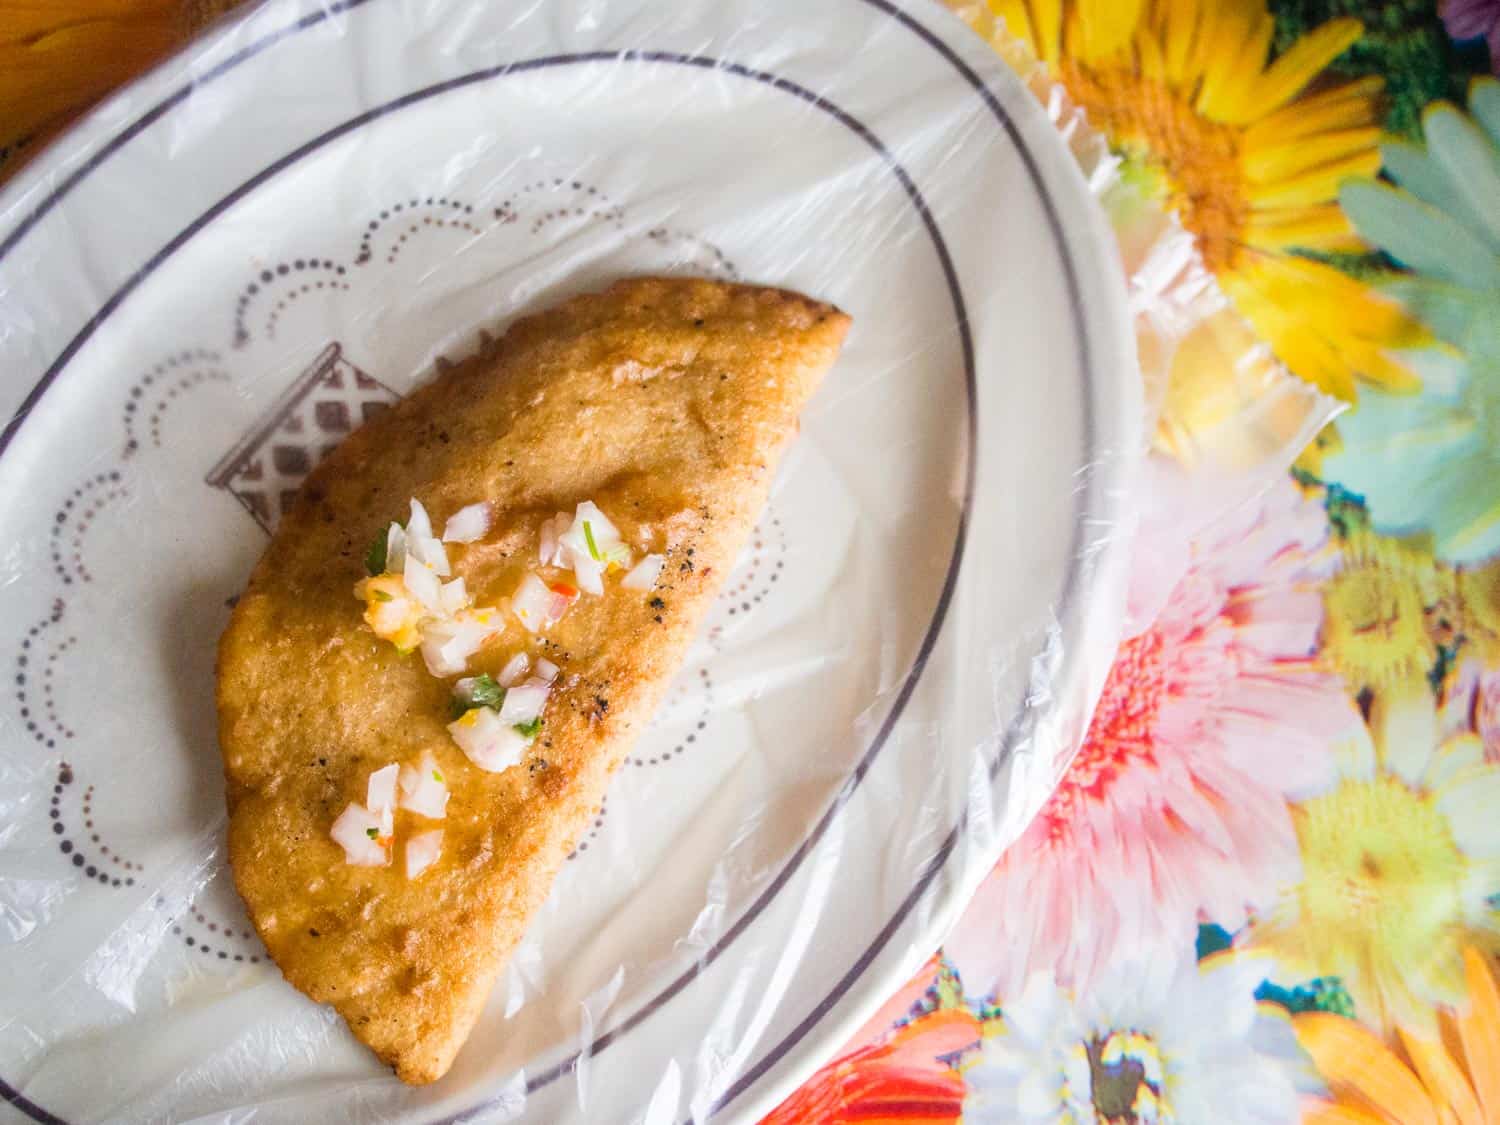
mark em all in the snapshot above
pixel 447 645
pixel 463 690
pixel 603 530
pixel 645 573
pixel 381 791
pixel 551 551
pixel 468 524
pixel 455 596
pixel 423 790
pixel 435 656
pixel 514 669
pixel 546 670
pixel 547 548
pixel 351 831
pixel 395 549
pixel 470 631
pixel 532 604
pixel 488 741
pixel 422 851
pixel 524 702
pixel 589 563
pixel 430 553
pixel 423 584
pixel 588 572
pixel 418 526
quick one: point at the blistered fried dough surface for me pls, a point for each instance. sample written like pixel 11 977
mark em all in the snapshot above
pixel 667 403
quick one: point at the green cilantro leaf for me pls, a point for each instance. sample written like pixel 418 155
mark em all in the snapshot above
pixel 486 692
pixel 375 555
pixel 531 728
pixel 373 833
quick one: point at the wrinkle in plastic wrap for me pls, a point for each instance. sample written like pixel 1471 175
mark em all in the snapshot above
pixel 325 205
pixel 1227 417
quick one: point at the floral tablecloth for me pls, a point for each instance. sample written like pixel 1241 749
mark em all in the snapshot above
pixel 1268 886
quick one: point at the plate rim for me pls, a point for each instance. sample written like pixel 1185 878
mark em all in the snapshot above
pixel 88 130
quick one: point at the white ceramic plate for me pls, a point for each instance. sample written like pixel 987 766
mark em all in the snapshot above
pixel 214 277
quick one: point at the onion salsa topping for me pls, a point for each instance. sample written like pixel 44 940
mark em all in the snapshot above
pixel 495 719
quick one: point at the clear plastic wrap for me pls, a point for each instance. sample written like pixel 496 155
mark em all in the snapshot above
pixel 1227 417
pixel 1220 404
pixel 222 270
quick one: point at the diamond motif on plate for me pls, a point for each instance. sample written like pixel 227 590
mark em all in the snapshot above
pixel 324 404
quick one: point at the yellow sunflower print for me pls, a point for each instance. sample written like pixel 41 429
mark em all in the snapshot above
pixel 1250 160
pixel 1398 861
pixel 1383 610
pixel 1479 610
